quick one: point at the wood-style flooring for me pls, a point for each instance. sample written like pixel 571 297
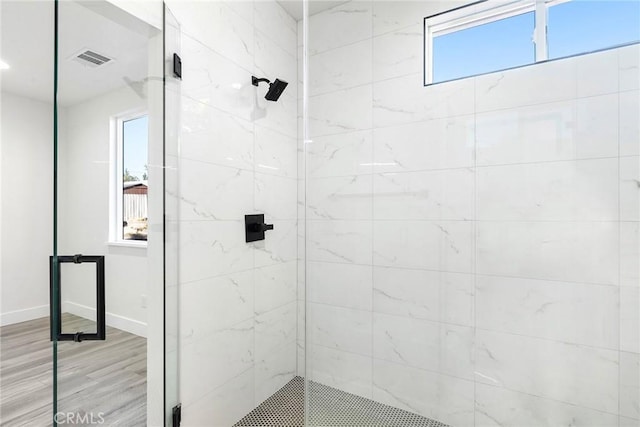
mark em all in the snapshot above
pixel 94 377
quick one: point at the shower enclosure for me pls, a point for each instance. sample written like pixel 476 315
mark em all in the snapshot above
pixel 463 252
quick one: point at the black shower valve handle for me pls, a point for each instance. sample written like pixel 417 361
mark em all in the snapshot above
pixel 257 227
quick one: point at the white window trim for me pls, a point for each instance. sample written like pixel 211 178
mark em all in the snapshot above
pixel 116 182
pixel 482 13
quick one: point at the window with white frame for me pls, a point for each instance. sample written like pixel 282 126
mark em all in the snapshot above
pixel 129 195
pixel 494 35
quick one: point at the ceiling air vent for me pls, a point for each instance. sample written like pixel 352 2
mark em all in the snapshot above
pixel 91 58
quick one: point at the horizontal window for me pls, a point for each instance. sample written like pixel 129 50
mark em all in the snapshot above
pixel 494 35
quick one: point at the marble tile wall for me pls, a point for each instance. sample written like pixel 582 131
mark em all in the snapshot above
pixel 471 247
pixel 237 156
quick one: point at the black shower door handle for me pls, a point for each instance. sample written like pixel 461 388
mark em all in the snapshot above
pixel 100 334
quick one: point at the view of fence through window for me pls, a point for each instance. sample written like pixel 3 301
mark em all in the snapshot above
pixel 135 138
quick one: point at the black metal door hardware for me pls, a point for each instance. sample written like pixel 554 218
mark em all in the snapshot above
pixel 177 66
pixel 255 227
pixel 176 415
pixel 54 269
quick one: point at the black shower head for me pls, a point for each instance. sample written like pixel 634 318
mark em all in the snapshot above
pixel 275 89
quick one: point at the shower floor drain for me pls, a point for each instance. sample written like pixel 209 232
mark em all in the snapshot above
pixel 328 407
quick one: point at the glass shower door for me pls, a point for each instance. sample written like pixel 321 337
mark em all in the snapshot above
pixel 107 259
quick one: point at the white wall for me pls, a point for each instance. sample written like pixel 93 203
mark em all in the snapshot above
pixel 84 172
pixel 27 159
pixel 26 229
pixel 237 156
pixel 472 246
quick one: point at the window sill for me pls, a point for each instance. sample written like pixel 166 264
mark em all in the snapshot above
pixel 129 244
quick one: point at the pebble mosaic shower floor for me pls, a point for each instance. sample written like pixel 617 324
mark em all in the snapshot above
pixel 328 407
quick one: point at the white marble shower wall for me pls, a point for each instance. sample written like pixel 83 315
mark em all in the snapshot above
pixel 237 156
pixel 472 247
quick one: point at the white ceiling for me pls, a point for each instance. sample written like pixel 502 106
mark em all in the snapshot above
pixel 27 46
pixel 294 7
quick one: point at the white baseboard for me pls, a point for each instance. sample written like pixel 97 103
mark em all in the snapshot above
pixel 135 327
pixel 24 315
pixel 120 322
